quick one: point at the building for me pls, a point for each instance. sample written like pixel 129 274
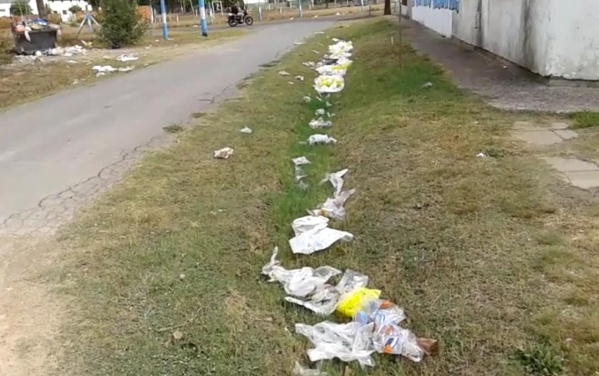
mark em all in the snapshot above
pixel 553 38
pixel 57 6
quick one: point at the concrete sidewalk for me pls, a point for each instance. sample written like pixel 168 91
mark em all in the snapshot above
pixel 502 84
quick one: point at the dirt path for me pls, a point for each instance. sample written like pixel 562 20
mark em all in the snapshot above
pixel 29 313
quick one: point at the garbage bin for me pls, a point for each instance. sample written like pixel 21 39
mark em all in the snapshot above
pixel 39 40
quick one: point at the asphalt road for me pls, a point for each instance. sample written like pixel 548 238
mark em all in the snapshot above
pixel 61 151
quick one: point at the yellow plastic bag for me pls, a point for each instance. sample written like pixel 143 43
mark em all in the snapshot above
pixel 353 302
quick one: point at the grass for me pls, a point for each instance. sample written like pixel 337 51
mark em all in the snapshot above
pixel 585 119
pixel 491 256
pixel 25 82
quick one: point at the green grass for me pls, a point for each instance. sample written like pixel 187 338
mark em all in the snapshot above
pixel 485 254
pixel 585 119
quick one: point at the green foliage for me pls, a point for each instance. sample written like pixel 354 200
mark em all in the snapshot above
pixel 121 23
pixel 540 361
pixel 585 119
pixel 20 8
pixel 75 8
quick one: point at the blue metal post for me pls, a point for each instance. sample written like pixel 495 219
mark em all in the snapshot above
pixel 203 25
pixel 164 27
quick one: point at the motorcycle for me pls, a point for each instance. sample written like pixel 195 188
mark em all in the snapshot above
pixel 240 19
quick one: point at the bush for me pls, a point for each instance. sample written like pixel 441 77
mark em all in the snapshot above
pixel 20 8
pixel 75 8
pixel 54 18
pixel 5 56
pixel 121 23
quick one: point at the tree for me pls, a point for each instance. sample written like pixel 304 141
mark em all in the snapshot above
pixel 122 24
pixel 387 10
pixel 75 8
pixel 20 8
pixel 41 8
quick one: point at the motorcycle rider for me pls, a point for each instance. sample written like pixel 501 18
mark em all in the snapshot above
pixel 235 11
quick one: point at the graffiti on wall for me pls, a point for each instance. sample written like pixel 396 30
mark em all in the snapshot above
pixel 438 4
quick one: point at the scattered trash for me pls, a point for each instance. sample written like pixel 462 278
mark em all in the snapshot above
pixel 223 153
pixel 127 57
pixel 246 130
pixel 337 14
pixel 75 82
pixel 329 84
pixel 336 179
pixel 427 85
pixel 283 73
pixel 307 99
pixel 178 335
pixel 298 370
pixel 313 235
pixel 317 139
pixel 299 161
pixel 328 104
pixel 320 123
pixel 347 342
pixel 481 155
pixel 309 64
pixel 298 282
pixel 71 62
pixel 319 32
pixel 299 43
pixel 316 52
pixel 103 69
pixel 299 78
pixel 333 206
pixel 299 172
pixel 320 112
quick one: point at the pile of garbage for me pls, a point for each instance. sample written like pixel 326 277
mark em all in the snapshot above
pixel 375 323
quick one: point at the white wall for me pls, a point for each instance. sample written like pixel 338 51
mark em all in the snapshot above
pixel 549 37
pixel 572 40
pixel 62 8
pixel 4 10
pixel 435 14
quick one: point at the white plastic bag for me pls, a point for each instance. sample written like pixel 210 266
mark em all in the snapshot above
pixel 298 282
pixel 298 370
pixel 317 239
pixel 348 342
pixel 223 153
pixel 320 123
pixel 333 206
pixel 308 223
pixel 317 139
pixel 336 179
pixel 329 83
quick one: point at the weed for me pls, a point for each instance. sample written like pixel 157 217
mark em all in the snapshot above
pixel 540 360
pixel 173 128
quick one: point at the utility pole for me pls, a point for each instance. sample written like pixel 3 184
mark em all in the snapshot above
pixel 164 26
pixel 203 25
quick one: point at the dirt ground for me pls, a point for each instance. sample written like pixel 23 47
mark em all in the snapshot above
pixel 29 314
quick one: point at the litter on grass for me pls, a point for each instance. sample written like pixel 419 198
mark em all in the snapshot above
pixel 299 172
pixel 320 123
pixel 246 130
pixel 283 73
pixel 307 99
pixel 329 84
pixel 309 64
pixel 299 161
pixel 299 78
pixel 127 57
pixel 103 69
pixel 298 282
pixel 481 155
pixel 223 153
pixel 336 179
pixel 333 206
pixel 317 139
pixel 313 235
pixel 427 85
pixel 299 370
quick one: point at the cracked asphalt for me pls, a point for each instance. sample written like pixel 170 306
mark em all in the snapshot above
pixel 60 152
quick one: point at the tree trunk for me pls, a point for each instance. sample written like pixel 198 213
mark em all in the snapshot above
pixel 387 10
pixel 41 8
pixel 326 4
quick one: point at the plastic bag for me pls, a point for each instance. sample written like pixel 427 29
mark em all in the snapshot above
pixel 298 370
pixel 348 342
pixel 353 302
pixel 308 223
pixel 336 179
pixel 329 83
pixel 223 153
pixel 320 123
pixel 333 206
pixel 317 139
pixel 298 282
pixel 317 239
